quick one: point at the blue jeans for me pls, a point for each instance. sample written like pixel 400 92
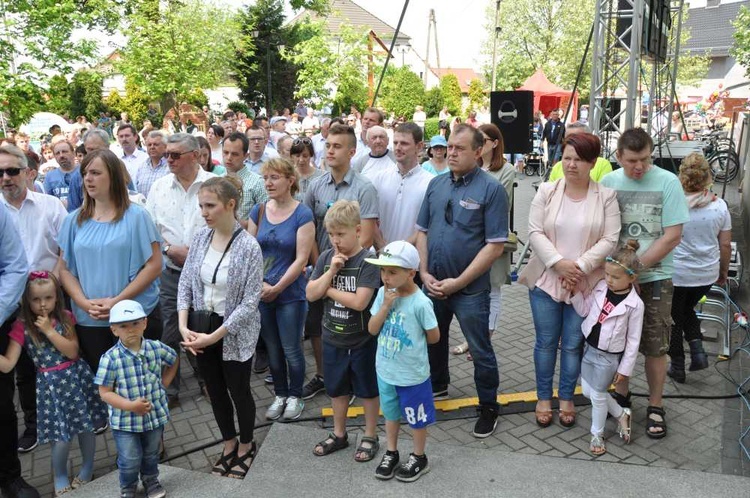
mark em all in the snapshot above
pixel 137 453
pixel 472 312
pixel 555 323
pixel 281 328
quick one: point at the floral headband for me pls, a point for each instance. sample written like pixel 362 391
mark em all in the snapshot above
pixel 629 271
pixel 35 275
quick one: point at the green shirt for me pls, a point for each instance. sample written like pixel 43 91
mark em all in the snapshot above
pixel 601 168
pixel 648 206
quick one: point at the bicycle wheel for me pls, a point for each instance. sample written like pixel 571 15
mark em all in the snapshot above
pixel 724 166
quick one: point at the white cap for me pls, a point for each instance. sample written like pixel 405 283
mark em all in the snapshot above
pixel 126 311
pixel 399 253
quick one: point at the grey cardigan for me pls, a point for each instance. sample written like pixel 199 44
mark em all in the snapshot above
pixel 244 283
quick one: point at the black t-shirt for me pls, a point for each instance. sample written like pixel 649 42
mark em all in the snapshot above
pixel 344 327
pixel 610 301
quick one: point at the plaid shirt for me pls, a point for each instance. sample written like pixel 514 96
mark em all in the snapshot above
pixel 253 191
pixel 136 376
pixel 147 175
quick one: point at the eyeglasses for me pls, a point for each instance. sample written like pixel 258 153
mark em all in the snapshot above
pixel 449 212
pixel 11 172
pixel 302 141
pixel 487 139
pixel 177 155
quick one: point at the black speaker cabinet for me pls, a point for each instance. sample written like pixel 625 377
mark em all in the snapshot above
pixel 513 113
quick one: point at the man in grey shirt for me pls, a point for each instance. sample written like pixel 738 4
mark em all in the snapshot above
pixel 341 182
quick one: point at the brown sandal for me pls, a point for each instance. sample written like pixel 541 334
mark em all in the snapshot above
pixel 567 418
pixel 543 417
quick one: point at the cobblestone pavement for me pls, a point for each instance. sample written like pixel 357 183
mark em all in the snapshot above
pixel 702 436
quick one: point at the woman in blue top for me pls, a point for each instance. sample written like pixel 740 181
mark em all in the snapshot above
pixel 109 251
pixel 438 150
pixel 286 233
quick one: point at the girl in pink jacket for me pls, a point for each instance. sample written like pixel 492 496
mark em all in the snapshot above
pixel 612 328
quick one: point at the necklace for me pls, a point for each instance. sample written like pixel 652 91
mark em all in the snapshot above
pixel 103 215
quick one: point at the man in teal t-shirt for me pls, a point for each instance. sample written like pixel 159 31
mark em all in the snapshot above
pixel 653 210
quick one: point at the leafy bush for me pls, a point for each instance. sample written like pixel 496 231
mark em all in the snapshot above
pixel 238 106
pixel 431 128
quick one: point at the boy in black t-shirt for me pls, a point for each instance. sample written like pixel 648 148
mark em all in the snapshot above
pixel 347 284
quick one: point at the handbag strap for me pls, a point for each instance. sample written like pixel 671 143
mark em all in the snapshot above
pixel 216 270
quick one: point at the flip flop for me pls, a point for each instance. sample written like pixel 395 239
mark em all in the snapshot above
pixel 460 349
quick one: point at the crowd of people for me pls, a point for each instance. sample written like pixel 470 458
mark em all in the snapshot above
pixel 227 249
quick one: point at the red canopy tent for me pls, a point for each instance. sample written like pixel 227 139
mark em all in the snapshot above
pixel 548 96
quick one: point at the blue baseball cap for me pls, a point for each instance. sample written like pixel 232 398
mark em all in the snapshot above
pixel 438 141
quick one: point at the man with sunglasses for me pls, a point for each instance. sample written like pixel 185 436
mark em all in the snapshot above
pixel 38 218
pixel 173 205
pixel 459 236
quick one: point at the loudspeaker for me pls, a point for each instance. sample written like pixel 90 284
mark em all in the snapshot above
pixel 513 113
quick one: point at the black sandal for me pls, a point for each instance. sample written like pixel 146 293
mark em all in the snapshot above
pixel 332 443
pixel 655 423
pixel 242 463
pixel 224 463
pixel 369 452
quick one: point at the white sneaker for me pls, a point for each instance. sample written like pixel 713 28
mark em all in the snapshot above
pixel 294 407
pixel 276 409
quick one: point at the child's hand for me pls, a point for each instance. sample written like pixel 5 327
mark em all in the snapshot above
pixel 389 296
pixel 141 406
pixel 620 378
pixel 44 324
pixel 337 262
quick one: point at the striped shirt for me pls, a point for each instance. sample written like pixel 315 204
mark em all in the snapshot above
pixel 133 376
pixel 253 191
pixel 147 174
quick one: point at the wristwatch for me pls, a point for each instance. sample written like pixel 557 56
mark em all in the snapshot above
pixel 165 249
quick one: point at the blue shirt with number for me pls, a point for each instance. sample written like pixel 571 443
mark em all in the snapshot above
pixel 402 343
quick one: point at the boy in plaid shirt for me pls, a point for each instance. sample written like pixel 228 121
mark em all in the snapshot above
pixel 131 381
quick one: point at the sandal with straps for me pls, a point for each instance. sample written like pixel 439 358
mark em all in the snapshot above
pixel 369 451
pixel 224 463
pixel 597 447
pixel 543 417
pixel 460 349
pixel 567 418
pixel 623 424
pixel 243 463
pixel 656 419
pixel 331 443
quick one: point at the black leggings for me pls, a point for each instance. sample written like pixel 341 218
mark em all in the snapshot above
pixel 95 341
pixel 686 322
pixel 224 379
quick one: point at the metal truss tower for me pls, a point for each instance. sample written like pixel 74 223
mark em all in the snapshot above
pixel 624 71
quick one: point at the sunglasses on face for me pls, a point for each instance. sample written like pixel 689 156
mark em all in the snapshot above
pixel 177 155
pixel 11 171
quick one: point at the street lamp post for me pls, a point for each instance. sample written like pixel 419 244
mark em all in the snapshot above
pixel 267 42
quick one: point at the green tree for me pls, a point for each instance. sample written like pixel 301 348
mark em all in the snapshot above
pixel 547 34
pixel 402 91
pixel 451 91
pixel 86 94
pixel 477 94
pixel 175 47
pixel 135 104
pixel 58 95
pixel 36 40
pixel 323 72
pixel 114 102
pixel 433 101
pixel 741 48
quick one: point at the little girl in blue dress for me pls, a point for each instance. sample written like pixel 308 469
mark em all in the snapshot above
pixel 68 402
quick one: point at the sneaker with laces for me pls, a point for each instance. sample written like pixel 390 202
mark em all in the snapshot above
pixel 440 394
pixel 294 407
pixel 388 464
pixel 27 442
pixel 486 423
pixel 413 469
pixel 276 409
pixel 154 488
pixel 313 387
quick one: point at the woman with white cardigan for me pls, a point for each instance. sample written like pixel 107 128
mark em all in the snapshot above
pixel 574 223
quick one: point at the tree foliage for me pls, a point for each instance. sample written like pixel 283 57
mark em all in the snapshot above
pixel 477 94
pixel 340 71
pixel 58 95
pixel 741 48
pixel 135 103
pixel 402 92
pixel 254 54
pixel 451 91
pixel 86 94
pixel 692 67
pixel 37 40
pixel 433 101
pixel 114 102
pixel 175 47
pixel 547 34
